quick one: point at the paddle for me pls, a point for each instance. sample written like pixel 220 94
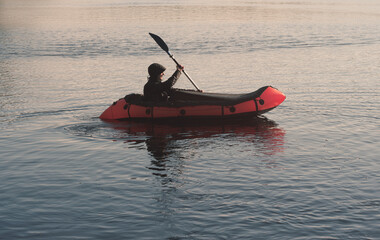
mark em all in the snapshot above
pixel 165 47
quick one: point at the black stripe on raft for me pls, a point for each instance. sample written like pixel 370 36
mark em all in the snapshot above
pixel 129 107
pixel 257 108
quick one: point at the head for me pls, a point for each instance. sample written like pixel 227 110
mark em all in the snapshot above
pixel 156 71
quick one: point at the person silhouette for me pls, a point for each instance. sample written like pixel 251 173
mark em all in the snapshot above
pixel 155 89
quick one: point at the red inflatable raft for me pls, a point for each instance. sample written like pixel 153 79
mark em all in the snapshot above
pixel 193 104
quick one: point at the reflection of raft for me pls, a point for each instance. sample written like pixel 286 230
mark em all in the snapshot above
pixel 193 104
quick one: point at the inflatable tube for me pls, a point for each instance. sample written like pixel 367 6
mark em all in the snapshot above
pixel 193 104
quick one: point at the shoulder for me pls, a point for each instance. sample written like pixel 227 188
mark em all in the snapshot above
pixel 152 83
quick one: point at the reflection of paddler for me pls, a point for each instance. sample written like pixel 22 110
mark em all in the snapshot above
pixel 157 146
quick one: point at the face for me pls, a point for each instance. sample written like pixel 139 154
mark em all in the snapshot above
pixel 162 75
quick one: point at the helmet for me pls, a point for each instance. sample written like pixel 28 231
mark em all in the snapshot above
pixel 155 69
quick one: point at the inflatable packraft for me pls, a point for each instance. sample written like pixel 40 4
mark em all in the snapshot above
pixel 188 104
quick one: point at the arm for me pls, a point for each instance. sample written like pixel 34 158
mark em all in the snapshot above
pixel 173 79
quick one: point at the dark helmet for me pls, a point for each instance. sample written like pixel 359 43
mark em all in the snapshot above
pixel 155 69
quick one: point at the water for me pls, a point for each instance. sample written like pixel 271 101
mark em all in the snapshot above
pixel 309 169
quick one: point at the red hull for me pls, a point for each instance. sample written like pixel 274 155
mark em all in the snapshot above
pixel 267 99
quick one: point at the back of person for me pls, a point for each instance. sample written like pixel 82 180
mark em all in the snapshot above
pixel 154 91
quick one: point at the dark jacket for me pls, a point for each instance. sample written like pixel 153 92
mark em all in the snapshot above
pixel 154 90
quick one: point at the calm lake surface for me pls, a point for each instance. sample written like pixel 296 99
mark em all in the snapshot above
pixel 309 169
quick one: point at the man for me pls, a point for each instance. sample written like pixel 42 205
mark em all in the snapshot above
pixel 155 89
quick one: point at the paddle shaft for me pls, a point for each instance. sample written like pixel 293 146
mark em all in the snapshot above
pixel 165 47
pixel 188 77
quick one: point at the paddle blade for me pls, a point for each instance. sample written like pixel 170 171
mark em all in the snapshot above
pixel 160 42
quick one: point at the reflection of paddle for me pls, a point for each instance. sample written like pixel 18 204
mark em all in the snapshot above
pixel 165 47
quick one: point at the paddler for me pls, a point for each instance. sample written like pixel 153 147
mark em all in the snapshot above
pixel 155 89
